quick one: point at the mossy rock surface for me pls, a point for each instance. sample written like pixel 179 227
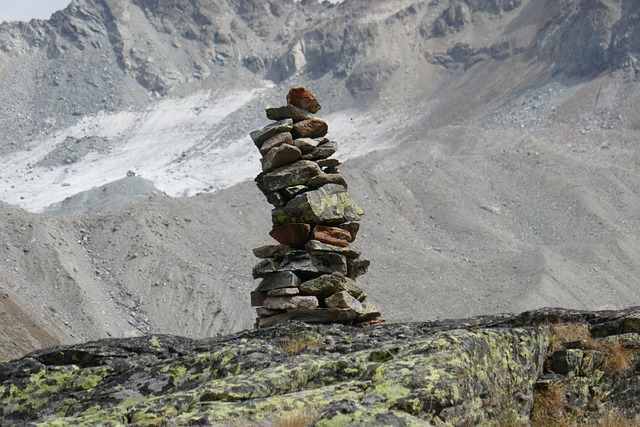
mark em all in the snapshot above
pixel 464 372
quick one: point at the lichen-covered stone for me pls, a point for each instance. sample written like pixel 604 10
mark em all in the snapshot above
pixel 479 371
pixel 330 204
pixel 329 284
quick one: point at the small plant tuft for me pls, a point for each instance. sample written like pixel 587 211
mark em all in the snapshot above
pixel 618 358
pixel 296 344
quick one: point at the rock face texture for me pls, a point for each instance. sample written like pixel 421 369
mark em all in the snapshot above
pixel 536 368
pixel 314 221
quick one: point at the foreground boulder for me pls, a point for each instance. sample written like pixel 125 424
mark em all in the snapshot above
pixel 537 367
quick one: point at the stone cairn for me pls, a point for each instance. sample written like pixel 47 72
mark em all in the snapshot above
pixel 311 274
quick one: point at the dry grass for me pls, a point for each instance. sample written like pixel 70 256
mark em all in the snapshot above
pixel 295 420
pixel 564 333
pixel 549 407
pixel 296 344
pixel 618 358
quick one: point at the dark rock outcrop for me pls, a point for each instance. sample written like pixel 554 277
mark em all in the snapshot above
pixel 456 372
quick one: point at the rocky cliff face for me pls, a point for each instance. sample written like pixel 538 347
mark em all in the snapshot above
pixel 541 367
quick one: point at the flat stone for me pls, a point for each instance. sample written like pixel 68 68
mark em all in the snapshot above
pixel 310 128
pixel 294 234
pixel 326 178
pixel 300 97
pixel 298 173
pixel 289 112
pixel 328 163
pixel 265 312
pixel 323 151
pixel 317 246
pixel 344 300
pixel 291 303
pixel 314 263
pixel 257 298
pixel 266 322
pixel 323 315
pixel 371 312
pixel 260 136
pixel 276 141
pixel 269 251
pixel 278 280
pixel 357 267
pixel 329 204
pixel 329 284
pixel 283 292
pixel 332 235
pixel 306 145
pixel 282 155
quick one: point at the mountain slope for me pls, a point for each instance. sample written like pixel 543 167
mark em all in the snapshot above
pixel 493 145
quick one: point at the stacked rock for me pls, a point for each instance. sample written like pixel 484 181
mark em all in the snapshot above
pixel 311 274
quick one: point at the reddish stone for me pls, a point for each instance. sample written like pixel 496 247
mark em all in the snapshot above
pixel 332 235
pixel 300 97
pixel 312 128
pixel 294 234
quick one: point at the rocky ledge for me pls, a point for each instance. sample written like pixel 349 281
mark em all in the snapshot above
pixel 539 367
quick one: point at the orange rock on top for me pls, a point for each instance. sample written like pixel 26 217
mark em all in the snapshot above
pixel 302 98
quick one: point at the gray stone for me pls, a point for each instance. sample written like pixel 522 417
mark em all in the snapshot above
pixel 276 141
pixel 329 204
pixel 282 155
pixel 316 245
pixel 298 173
pixel 329 284
pixel 265 268
pixel 257 298
pixel 344 300
pixel 284 292
pixel 352 228
pixel 266 322
pixel 357 267
pixel 306 145
pixel 328 163
pixel 297 114
pixel 327 178
pixel 277 199
pixel 291 303
pixel 323 315
pixel 260 136
pixel 277 280
pixel 323 151
pixel 269 251
pixel 315 263
pixel 265 312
